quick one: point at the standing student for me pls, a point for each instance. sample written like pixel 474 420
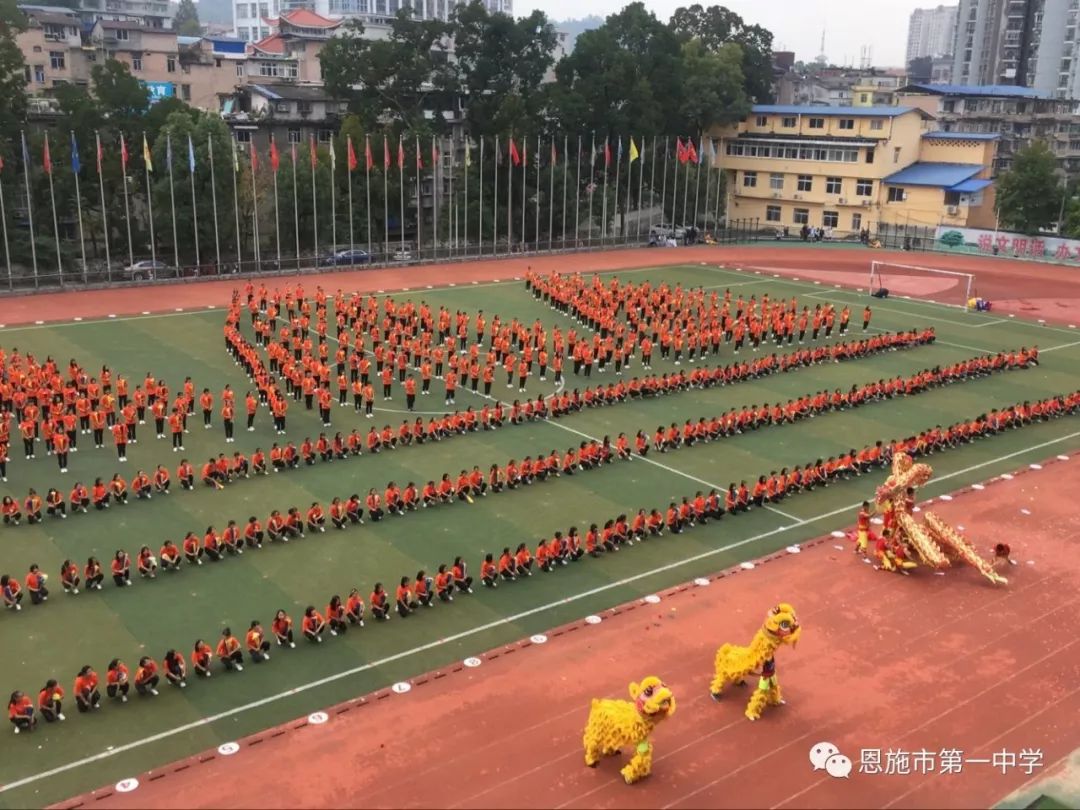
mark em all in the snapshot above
pixel 87 696
pixel 175 669
pixel 116 680
pixel 229 651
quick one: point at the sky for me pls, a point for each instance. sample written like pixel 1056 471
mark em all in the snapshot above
pixel 796 24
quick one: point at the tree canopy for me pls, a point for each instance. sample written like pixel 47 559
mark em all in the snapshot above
pixel 186 21
pixel 1029 194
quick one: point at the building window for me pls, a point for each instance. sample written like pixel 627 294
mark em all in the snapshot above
pixel 281 107
pixel 324 135
pixel 870 155
pixel 877 123
pixel 170 64
pixel 896 154
pixel 136 63
pixel 805 183
pixel 304 107
pixel 863 97
pixel 952 197
pixel 864 188
pixel 294 136
pixel 801 216
pixel 776 182
pixel 896 194
pixel 762 120
pixel 830 219
pixel 239 68
pixel 243 136
pixel 264 10
pixel 265 32
pixel 749 179
pixel 788 121
pixel 39 74
pixel 244 34
pixel 185 92
pixel 772 213
pixel 833 185
pixel 816 123
pixel 121 34
pixel 847 123
pixel 56 60
pixel 856 222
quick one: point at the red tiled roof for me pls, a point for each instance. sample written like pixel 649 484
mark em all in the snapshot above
pixel 305 18
pixel 271 44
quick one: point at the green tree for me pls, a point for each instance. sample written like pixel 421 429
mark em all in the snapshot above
pixel 186 21
pixel 713 87
pixel 12 64
pixel 122 98
pixel 1029 193
pixel 501 64
pixel 716 27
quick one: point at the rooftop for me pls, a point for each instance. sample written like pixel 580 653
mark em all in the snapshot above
pixel 862 112
pixel 291 92
pixel 940 175
pixel 986 90
pixel 941 135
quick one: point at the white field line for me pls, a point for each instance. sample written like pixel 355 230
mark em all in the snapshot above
pixel 431 645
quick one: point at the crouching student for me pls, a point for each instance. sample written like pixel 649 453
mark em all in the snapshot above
pixel 146 677
pixel 21 712
pixel 201 657
pixel 314 625
pixel 354 608
pixel 229 651
pixel 462 580
pixel 257 646
pixel 50 701
pixel 282 629
pixel 175 669
pixel 87 696
pixel 380 603
pixel 116 680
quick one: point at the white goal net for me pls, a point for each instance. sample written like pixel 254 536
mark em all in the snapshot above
pixel 949 287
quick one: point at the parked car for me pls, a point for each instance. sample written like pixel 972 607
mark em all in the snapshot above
pixel 345 258
pixel 146 269
pixel 405 255
pixel 663 231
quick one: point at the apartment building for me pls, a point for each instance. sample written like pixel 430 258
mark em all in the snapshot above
pixel 931 32
pixel 1017 115
pixel 852 168
pixel 52 48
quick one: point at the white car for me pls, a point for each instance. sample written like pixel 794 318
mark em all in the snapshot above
pixel 403 255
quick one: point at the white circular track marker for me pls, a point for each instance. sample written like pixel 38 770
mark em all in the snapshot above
pixel 701 582
pixel 539 638
pixel 1035 466
pixel 127 785
pixel 401 687
pixel 945 497
pixel 978 487
pixel 839 534
pixel 593 619
pixel 794 550
pixel 652 599
pixel 318 718
pixel 1063 458
pixel 746 566
pixel 228 749
pixel 472 662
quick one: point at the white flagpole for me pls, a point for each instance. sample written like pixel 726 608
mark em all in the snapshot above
pixel 577 197
pixel 524 184
pixel 213 197
pixel 296 204
pixel 536 214
pixel 435 190
pixel 551 198
pixel 592 185
pixel 56 225
pixel 663 188
pixel 348 177
pixel 708 186
pixel 150 207
pixel 618 167
pixel 465 218
pixel 629 184
pixel 236 201
pixel 367 191
pixel 674 195
pixel 385 199
pixel 194 208
pixel 510 200
pixel 495 204
pixel 565 170
pixel 641 180
pixel 29 206
pixel 603 206
pixel 419 204
pixel 697 180
pixel 127 209
pixel 172 200
pixel 312 158
pixel 7 251
pixel 78 208
pixel 401 195
pixel 451 219
pixel 104 213
pixel 333 197
pixel 480 215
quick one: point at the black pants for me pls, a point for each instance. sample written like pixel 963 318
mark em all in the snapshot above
pixel 114 689
pixel 231 661
pixel 144 688
pixel 84 702
pixel 228 428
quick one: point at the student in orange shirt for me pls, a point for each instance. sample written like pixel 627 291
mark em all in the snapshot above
pixel 146 563
pixel 146 677
pixel 422 590
pixel 229 651
pixel 335 616
pixel 50 701
pixel 21 712
pixel 380 604
pixel 93 574
pixel 87 696
pixel 121 568
pixel 257 645
pixel 316 520
pixel 116 680
pixel 403 598
pixel 282 629
pixel 174 668
pixel 313 624
pixel 201 657
pixel 354 608
pixel 489 572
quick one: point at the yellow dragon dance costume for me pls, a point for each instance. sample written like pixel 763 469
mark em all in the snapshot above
pixel 735 663
pixel 617 723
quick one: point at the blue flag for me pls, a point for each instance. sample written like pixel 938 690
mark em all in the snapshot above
pixel 75 166
pixel 619 157
pixel 190 155
pixel 25 153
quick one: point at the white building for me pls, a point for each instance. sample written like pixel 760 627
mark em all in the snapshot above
pixel 931 32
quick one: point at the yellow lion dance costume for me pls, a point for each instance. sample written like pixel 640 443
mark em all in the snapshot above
pixel 734 663
pixel 615 723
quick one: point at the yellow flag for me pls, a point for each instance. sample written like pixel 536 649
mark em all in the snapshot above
pixel 146 154
pixel 468 154
pixel 633 151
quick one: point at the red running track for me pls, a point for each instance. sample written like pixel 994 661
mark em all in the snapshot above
pixel 885 662
pixel 1026 289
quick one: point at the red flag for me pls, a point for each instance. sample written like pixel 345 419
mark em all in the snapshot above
pixel 123 152
pixel 100 154
pixel 254 158
pixel 515 158
pixel 314 154
pixel 434 153
pixel 400 154
pixel 275 158
pixel 1 163
pixel 554 154
pixel 607 154
pixel 46 160
pixel 369 161
pixel 419 156
pixel 680 150
pixel 352 156
pixel 385 152
pixel 691 152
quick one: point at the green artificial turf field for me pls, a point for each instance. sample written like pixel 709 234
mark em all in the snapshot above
pixel 54 640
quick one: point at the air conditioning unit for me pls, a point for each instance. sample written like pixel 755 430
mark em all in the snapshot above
pixel 866 203
pixel 842 201
pixel 952 210
pixel 798 196
pixel 776 195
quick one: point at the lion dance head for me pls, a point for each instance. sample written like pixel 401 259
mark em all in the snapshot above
pixel 653 699
pixel 782 624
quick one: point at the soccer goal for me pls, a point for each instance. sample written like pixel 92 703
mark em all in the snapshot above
pixel 949 287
